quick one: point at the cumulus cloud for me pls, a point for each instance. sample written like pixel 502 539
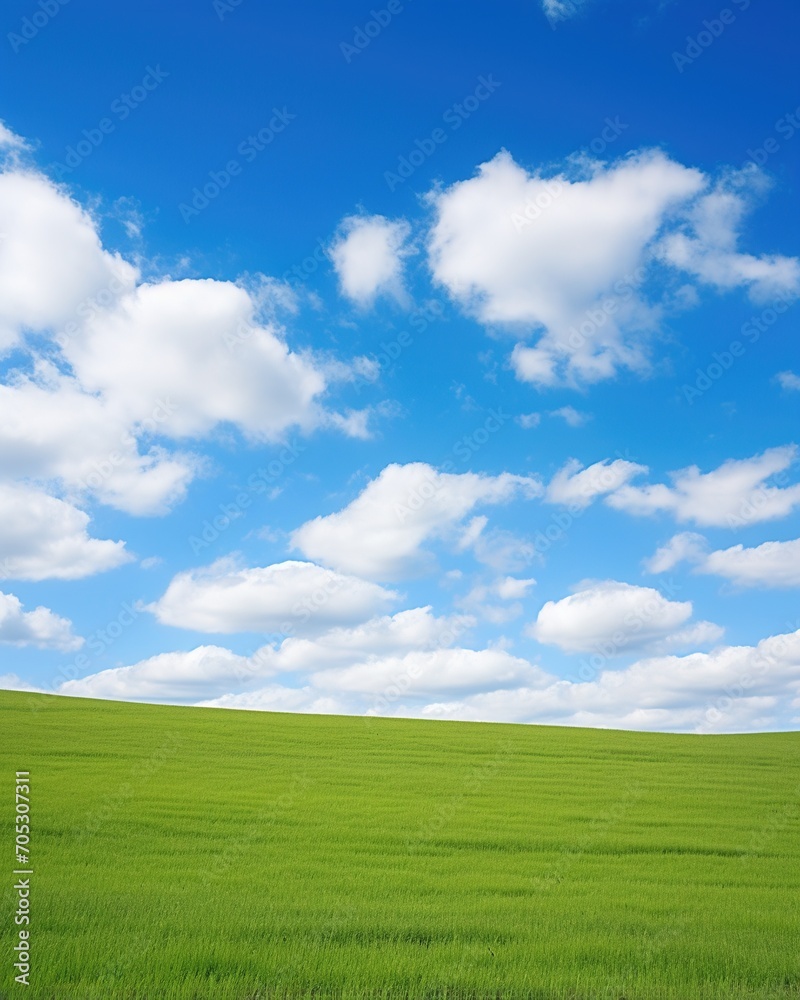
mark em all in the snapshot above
pixel 730 689
pixel 788 381
pixel 574 485
pixel 736 493
pixel 565 255
pixel 374 670
pixel 51 429
pixel 40 627
pixel 10 140
pixel 381 533
pixel 613 617
pixel 772 564
pixel 118 368
pixel 498 601
pixel 293 597
pixel 686 546
pixel 378 648
pixel 51 260
pixel 368 256
pixel 44 538
pixel 560 10
pixel 571 416
pixel 706 244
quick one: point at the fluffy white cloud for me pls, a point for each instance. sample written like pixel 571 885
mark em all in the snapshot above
pixel 368 257
pixel 380 534
pixel 574 485
pixel 40 627
pixel 560 10
pixel 53 430
pixel 706 245
pixel 550 274
pixel 43 538
pixel 610 617
pixel 789 381
pixel 565 256
pixel 286 597
pixel 426 672
pixel 571 416
pixel 52 263
pixel 730 689
pixel 366 671
pixel 686 546
pixel 216 363
pixel 482 599
pixel 734 494
pixel 179 676
pixel 132 366
pixel 773 564
pixel 381 648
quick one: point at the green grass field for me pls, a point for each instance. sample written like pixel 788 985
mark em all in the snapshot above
pixel 198 853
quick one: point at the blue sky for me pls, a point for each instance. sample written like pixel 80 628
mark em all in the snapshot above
pixel 431 362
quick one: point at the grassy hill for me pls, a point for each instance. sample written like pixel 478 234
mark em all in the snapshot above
pixel 192 853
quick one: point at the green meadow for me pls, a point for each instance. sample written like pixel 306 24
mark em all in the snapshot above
pixel 198 853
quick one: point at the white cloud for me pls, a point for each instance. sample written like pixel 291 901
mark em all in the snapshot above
pixel 380 534
pixel 706 246
pixel 551 274
pixel 43 538
pixel 571 416
pixel 51 260
pixel 216 363
pixel 407 665
pixel 610 617
pixel 379 648
pixel 482 599
pixel 529 420
pixel 53 430
pixel 131 366
pixel 10 140
pixel 176 676
pixel 426 672
pixel 571 270
pixel 789 381
pixel 39 627
pixel 560 10
pixel 368 257
pixel 285 597
pixel 734 494
pixel 686 546
pixel 574 485
pixel 772 564
pixel 730 689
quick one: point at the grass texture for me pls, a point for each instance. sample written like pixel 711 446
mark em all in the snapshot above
pixel 197 853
